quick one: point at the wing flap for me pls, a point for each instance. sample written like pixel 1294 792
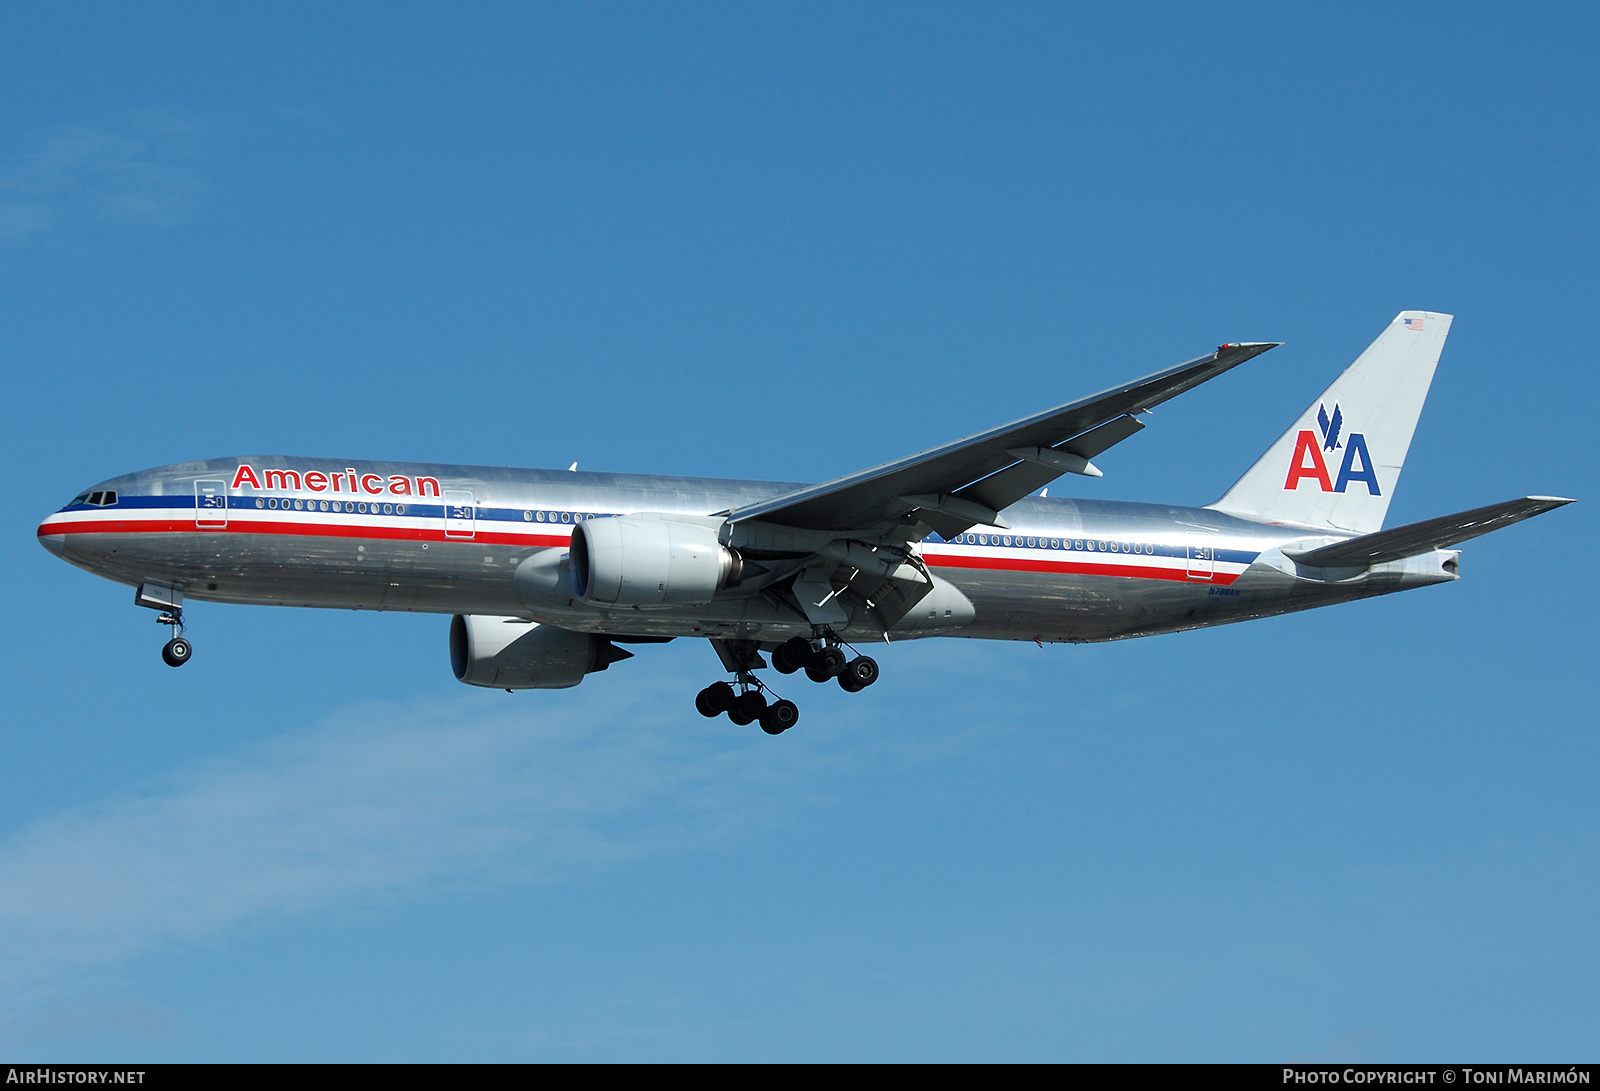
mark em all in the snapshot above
pixel 1430 534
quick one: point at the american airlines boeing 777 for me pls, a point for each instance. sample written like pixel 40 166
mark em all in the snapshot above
pixel 550 573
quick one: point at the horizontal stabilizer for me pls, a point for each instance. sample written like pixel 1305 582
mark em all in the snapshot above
pixel 1430 534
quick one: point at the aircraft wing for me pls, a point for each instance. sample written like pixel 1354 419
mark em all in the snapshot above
pixel 968 482
pixel 1430 534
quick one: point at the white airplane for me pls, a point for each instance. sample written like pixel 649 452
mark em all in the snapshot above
pixel 548 572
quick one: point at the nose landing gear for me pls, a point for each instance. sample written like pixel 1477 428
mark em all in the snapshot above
pixel 168 599
pixel 175 652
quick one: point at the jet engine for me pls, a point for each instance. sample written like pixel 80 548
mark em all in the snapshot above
pixel 650 560
pixel 510 653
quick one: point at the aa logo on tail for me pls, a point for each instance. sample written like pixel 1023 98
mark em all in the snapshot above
pixel 1330 428
pixel 1308 461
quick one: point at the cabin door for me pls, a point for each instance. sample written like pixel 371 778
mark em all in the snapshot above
pixel 211 503
pixel 460 510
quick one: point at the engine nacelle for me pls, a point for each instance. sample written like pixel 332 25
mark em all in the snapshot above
pixel 649 560
pixel 510 653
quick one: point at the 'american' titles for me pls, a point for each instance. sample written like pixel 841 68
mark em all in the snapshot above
pixel 342 481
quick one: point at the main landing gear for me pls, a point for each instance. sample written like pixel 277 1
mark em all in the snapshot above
pixel 748 705
pixel 821 658
pixel 176 652
pixel 822 661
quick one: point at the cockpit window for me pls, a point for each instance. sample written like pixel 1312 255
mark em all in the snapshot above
pixel 95 499
pixel 99 499
pixel 109 499
pixel 81 498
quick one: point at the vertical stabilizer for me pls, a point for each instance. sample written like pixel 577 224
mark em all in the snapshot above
pixel 1338 465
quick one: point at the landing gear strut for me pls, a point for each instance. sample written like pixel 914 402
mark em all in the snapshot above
pixel 748 703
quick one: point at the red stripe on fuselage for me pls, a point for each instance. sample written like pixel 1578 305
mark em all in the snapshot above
pixel 313 530
pixel 536 538
pixel 1073 568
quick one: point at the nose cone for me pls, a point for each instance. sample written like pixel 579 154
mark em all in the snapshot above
pixel 51 537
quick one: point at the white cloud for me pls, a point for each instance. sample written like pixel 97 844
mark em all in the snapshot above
pixel 382 801
pixel 139 169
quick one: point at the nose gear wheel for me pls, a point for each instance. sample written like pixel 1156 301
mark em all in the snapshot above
pixel 176 652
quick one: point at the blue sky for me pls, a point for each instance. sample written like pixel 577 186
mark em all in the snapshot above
pixel 791 242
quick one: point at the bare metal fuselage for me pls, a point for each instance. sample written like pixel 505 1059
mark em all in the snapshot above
pixel 449 539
